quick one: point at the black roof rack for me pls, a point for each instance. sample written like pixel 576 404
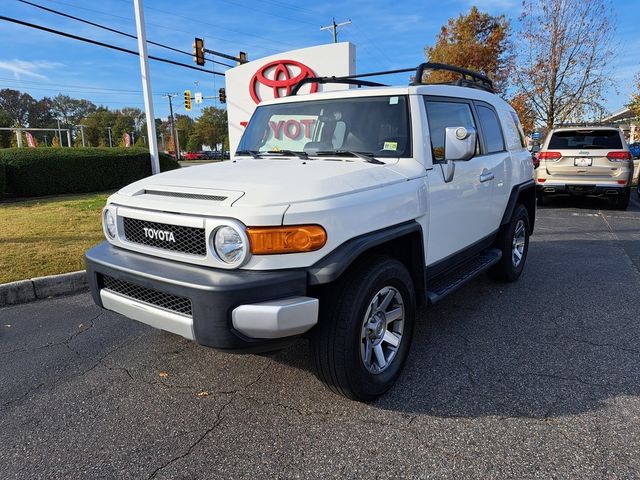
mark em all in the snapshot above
pixel 468 78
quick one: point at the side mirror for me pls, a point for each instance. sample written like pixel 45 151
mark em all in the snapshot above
pixel 459 143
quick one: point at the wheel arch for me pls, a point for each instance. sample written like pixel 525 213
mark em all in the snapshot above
pixel 524 193
pixel 404 242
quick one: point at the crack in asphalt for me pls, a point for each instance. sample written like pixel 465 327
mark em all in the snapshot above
pixel 219 419
pixel 63 377
pixel 56 344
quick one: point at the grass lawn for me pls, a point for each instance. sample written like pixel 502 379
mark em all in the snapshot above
pixel 48 236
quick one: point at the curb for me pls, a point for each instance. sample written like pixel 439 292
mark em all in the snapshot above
pixel 38 288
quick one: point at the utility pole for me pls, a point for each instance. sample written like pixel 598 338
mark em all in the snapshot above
pixel 110 144
pixel 173 125
pixel 334 28
pixel 146 87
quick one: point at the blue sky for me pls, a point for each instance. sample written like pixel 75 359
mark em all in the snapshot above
pixel 387 34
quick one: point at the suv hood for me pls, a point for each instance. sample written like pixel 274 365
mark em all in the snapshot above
pixel 269 182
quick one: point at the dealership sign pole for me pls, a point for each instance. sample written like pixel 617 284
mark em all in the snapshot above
pixel 146 87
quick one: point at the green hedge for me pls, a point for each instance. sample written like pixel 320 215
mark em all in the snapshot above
pixel 30 172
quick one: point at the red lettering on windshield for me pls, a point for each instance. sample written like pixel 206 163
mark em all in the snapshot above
pixel 276 128
pixel 307 126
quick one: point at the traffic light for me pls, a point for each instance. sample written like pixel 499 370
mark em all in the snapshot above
pixel 222 95
pixel 198 51
pixel 187 100
pixel 242 58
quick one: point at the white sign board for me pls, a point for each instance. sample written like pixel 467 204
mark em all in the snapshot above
pixel 274 77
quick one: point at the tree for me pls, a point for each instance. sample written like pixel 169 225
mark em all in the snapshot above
pixel 184 125
pixel 5 135
pixel 69 110
pixel 523 107
pixel 39 113
pixel 211 126
pixel 564 57
pixel 16 105
pixel 476 41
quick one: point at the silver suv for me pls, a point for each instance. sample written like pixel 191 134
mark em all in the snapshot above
pixel 592 161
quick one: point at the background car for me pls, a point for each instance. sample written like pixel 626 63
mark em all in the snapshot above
pixel 194 156
pixel 585 161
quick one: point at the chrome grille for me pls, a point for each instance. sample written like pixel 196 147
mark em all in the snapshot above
pixel 188 240
pixel 155 298
pixel 193 196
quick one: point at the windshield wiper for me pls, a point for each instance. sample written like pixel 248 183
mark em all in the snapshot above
pixel 253 153
pixel 366 156
pixel 290 153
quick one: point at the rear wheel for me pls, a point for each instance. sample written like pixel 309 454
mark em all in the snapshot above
pixel 621 202
pixel 513 242
pixel 365 329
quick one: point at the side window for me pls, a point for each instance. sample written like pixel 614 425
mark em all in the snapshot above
pixel 442 115
pixel 490 129
pixel 516 120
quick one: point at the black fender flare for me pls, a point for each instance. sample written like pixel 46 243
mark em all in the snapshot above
pixel 524 189
pixel 330 267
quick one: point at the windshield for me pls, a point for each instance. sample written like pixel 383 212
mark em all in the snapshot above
pixel 579 139
pixel 370 125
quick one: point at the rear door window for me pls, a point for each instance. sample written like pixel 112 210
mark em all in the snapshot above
pixel 490 129
pixel 584 139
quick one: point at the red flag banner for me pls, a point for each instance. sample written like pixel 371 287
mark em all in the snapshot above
pixel 31 141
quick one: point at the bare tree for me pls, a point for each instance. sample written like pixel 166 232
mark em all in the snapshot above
pixel 564 58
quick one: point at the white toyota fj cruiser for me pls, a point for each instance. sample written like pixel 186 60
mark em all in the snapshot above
pixel 340 213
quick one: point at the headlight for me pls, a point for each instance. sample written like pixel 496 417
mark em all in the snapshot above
pixel 109 224
pixel 229 245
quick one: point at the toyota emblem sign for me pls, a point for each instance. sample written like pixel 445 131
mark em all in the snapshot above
pixel 274 77
pixel 280 75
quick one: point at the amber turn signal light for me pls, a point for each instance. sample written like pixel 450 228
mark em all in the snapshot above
pixel 286 239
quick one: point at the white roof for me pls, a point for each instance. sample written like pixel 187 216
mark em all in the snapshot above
pixel 436 90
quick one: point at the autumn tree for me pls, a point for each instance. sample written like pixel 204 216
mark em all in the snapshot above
pixel 524 108
pixel 563 57
pixel 475 41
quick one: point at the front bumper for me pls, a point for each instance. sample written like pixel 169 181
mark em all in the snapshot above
pixel 580 189
pixel 236 310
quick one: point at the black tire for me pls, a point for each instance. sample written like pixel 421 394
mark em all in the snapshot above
pixel 337 345
pixel 621 202
pixel 506 270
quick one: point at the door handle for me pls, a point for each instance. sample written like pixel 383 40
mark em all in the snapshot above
pixel 486 176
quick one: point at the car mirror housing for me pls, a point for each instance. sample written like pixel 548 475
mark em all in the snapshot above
pixel 460 143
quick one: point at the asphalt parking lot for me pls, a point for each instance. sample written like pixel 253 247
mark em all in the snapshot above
pixel 537 379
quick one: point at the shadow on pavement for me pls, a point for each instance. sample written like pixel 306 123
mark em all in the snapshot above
pixel 561 341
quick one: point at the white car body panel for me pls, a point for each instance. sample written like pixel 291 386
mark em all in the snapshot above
pixel 348 198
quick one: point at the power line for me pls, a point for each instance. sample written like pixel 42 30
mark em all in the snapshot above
pixel 174 29
pixel 119 32
pixel 102 44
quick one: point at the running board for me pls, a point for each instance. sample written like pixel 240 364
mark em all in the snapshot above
pixel 449 282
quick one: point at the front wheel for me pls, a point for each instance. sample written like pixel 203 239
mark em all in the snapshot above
pixel 513 242
pixel 365 329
